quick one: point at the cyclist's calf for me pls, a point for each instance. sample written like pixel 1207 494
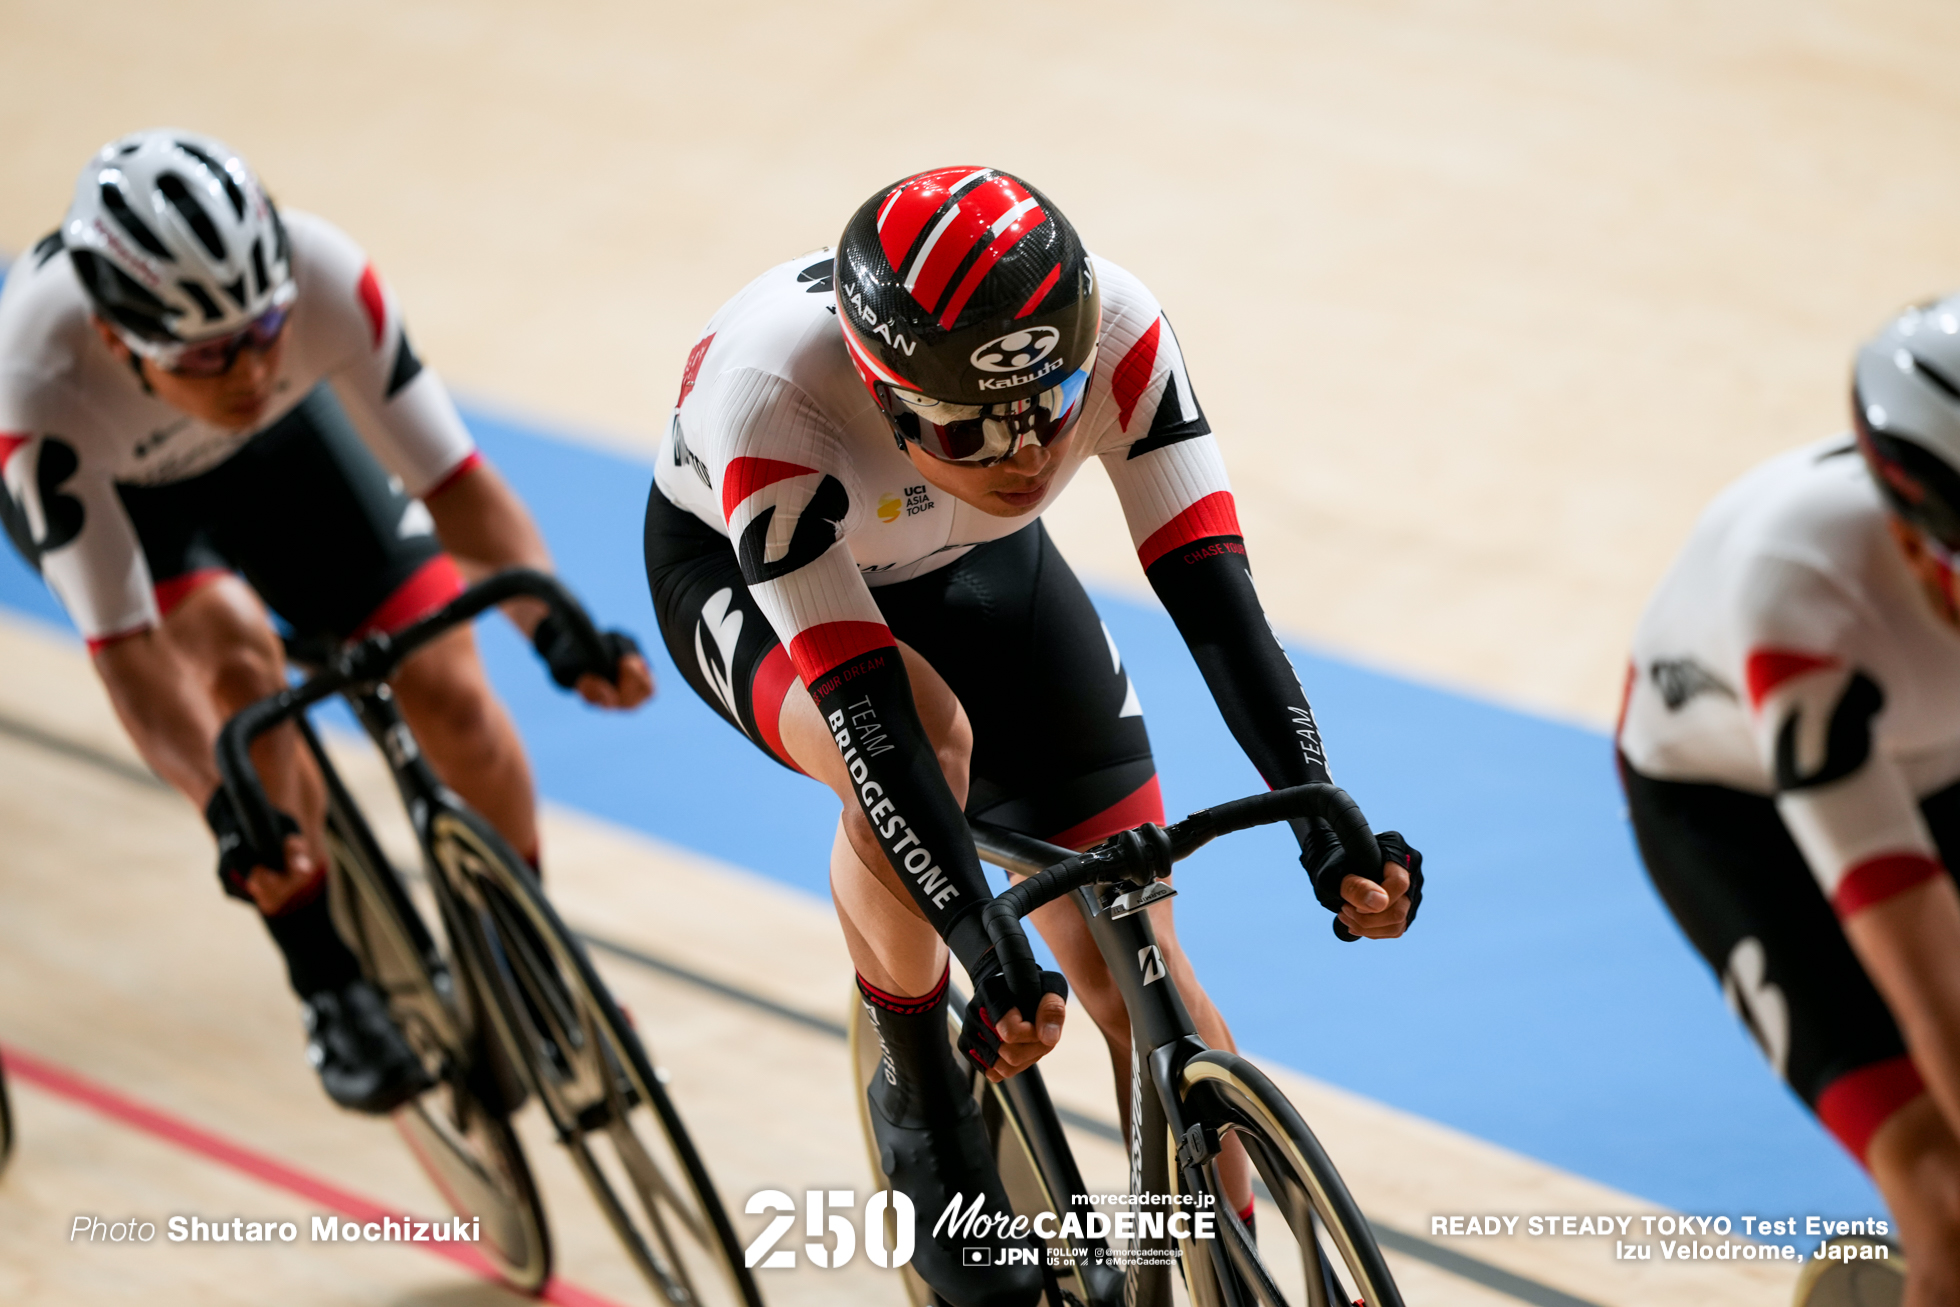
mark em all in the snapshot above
pixel 1915 1161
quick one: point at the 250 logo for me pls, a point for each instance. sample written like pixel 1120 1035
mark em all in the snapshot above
pixel 820 1221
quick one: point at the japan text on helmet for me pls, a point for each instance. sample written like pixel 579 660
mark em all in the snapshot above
pixel 968 286
pixel 175 240
pixel 1905 401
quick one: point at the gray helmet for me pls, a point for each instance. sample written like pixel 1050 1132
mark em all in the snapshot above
pixel 175 240
pixel 1905 401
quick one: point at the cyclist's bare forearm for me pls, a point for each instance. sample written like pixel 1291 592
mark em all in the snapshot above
pixel 159 699
pixel 1907 944
pixel 485 526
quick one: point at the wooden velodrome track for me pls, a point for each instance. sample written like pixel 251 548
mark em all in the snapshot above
pixel 1485 300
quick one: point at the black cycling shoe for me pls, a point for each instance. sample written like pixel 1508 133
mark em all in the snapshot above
pixel 933 1146
pixel 364 1062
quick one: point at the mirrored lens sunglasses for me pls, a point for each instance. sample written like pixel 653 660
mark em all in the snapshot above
pixel 980 435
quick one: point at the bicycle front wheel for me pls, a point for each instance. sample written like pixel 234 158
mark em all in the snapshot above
pixel 588 1067
pixel 459 1132
pixel 1333 1260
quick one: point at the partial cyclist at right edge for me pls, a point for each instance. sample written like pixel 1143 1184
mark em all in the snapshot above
pixel 1790 747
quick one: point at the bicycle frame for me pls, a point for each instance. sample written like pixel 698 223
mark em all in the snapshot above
pixel 1112 885
pixel 1163 1036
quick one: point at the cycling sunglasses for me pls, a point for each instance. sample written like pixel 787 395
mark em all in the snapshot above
pixel 205 359
pixel 980 435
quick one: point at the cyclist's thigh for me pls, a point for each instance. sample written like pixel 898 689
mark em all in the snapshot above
pixel 173 524
pixel 717 636
pixel 221 627
pixel 1059 745
pixel 1736 883
pixel 323 533
pixel 731 656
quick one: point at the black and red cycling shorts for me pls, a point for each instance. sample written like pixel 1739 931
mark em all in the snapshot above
pixel 1007 626
pixel 309 518
pixel 1737 884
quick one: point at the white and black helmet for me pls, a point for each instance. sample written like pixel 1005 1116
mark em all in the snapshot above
pixel 1905 402
pixel 174 238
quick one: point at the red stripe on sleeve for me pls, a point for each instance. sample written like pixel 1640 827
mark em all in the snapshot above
pixel 1214 515
pixel 1002 243
pixel 9 443
pixel 824 647
pixel 693 368
pixel 1857 1103
pixel 1626 698
pixel 773 677
pixel 745 476
pixel 1132 376
pixel 1041 291
pixel 97 643
pixel 1877 879
pixel 376 308
pixel 453 475
pixel 1769 668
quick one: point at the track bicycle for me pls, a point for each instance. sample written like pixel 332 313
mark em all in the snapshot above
pixel 1186 1100
pixel 502 1001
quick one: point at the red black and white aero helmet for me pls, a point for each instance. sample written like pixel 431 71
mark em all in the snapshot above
pixel 971 311
pixel 175 240
pixel 1905 402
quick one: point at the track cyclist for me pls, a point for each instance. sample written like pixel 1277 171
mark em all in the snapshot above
pixel 845 552
pixel 196 388
pixel 1791 752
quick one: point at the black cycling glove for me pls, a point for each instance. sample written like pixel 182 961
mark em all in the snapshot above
pixel 1326 866
pixel 992 999
pixel 236 856
pixel 565 655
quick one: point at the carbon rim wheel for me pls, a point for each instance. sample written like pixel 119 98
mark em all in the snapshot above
pixel 464 1146
pixel 1333 1260
pixel 593 1076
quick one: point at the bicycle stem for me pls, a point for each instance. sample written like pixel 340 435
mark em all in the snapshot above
pixel 1148 852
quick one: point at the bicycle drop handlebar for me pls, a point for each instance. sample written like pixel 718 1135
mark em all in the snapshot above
pixel 367 662
pixel 1148 852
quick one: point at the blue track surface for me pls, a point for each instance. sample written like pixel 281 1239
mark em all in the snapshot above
pixel 1545 1002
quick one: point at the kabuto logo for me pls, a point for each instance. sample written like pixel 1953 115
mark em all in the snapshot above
pixel 1017 350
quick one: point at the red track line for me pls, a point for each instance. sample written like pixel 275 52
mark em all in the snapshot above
pixel 76 1088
